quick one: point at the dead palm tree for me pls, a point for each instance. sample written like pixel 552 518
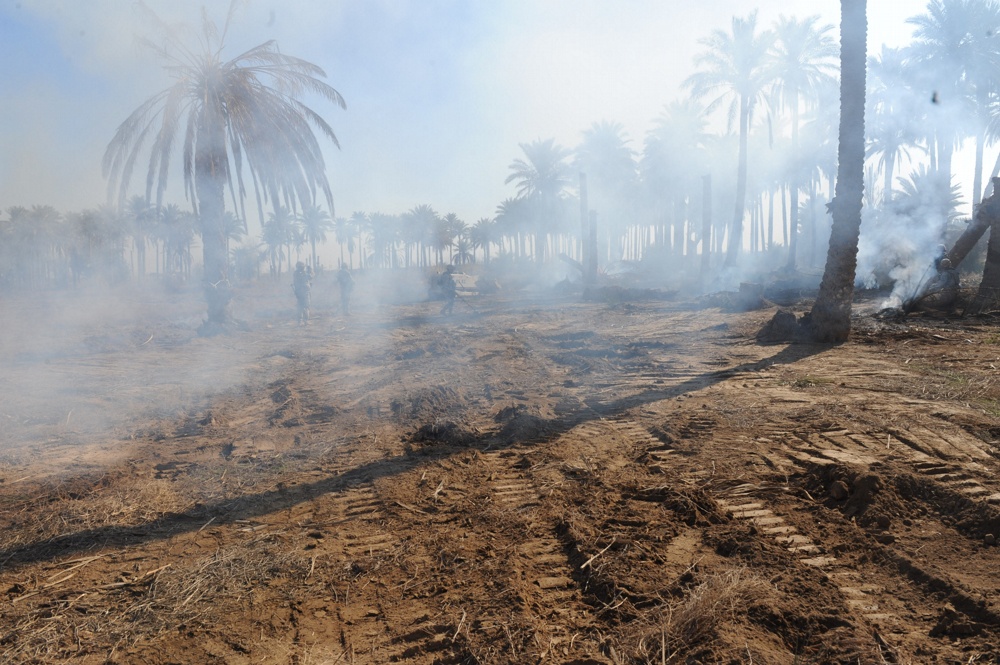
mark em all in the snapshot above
pixel 229 113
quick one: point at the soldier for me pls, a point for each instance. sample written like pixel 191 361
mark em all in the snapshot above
pixel 448 289
pixel 942 291
pixel 302 287
pixel 346 282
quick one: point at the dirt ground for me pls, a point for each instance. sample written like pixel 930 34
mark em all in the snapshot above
pixel 534 479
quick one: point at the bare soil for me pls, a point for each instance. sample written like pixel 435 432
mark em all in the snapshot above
pixel 538 479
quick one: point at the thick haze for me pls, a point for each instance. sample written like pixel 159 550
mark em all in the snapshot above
pixel 439 92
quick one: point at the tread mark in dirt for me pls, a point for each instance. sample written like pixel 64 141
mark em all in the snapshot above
pixel 958 477
pixel 543 562
pixel 832 446
pixel 861 597
pixel 697 426
pixel 657 454
pixel 425 638
pixel 362 503
pixel 934 445
pixel 510 488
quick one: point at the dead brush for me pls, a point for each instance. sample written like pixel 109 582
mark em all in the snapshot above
pixel 59 512
pixel 105 619
pixel 228 575
pixel 691 624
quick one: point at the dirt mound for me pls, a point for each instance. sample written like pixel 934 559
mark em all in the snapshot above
pixel 434 403
pixel 447 433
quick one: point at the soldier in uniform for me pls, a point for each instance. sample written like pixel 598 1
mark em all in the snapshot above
pixel 448 289
pixel 942 291
pixel 302 287
pixel 346 282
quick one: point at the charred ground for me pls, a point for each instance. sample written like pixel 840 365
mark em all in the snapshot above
pixel 530 480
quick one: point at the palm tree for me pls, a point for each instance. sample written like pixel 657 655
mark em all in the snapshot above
pixel 177 230
pixel 671 168
pixel 831 312
pixel 735 69
pixel 512 220
pixel 453 230
pixel 246 261
pixel 278 230
pixel 541 179
pixel 482 235
pixel 230 112
pixel 421 228
pixel 609 163
pixel 314 223
pixel 142 218
pixel 955 47
pixel 385 231
pixel 890 122
pixel 359 222
pixel 801 56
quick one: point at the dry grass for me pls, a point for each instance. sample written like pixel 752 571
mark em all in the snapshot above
pixel 60 510
pixel 691 624
pixel 60 621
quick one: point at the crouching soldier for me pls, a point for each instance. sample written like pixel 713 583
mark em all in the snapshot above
pixel 941 292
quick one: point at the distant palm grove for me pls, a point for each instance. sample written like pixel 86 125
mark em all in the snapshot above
pixel 740 169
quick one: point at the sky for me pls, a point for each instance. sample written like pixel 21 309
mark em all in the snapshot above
pixel 440 93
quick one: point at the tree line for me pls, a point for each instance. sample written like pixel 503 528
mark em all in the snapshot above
pixel 761 185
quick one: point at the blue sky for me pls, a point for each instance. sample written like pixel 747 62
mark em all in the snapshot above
pixel 439 92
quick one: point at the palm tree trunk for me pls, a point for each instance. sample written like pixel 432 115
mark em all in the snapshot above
pixel 793 241
pixel 736 237
pixel 831 313
pixel 210 180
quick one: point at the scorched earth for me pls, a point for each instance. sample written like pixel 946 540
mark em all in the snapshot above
pixel 540 479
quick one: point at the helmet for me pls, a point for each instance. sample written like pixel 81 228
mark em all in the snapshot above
pixel 449 268
pixel 300 266
pixel 945 264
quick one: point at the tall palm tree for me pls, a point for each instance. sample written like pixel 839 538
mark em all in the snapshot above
pixel 512 220
pixel 735 69
pixel 230 112
pixel 177 230
pixel 422 223
pixel 801 56
pixel 541 179
pixel 359 222
pixel 482 234
pixel 671 168
pixel 831 312
pixel 891 124
pixel 955 47
pixel 279 230
pixel 314 223
pixel 141 217
pixel 452 230
pixel 605 157
pixel 385 232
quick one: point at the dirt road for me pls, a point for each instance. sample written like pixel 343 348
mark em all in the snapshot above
pixel 540 480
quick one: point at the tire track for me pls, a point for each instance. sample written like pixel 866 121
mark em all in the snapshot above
pixel 868 601
pixel 541 567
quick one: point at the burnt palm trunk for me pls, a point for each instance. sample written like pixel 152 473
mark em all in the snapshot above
pixel 987 217
pixel 210 180
pixel 831 313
